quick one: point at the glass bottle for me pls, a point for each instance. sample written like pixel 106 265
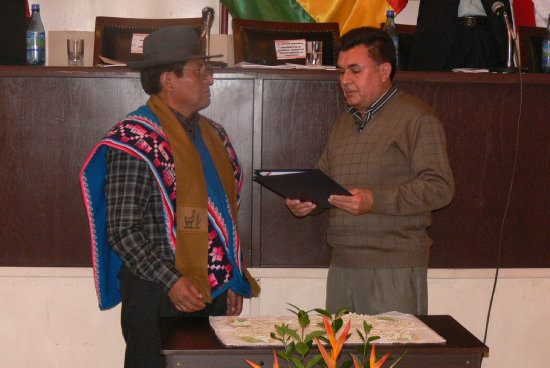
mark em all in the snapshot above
pixel 390 28
pixel 36 38
pixel 545 65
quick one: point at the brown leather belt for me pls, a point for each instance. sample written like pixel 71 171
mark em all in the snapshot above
pixel 472 21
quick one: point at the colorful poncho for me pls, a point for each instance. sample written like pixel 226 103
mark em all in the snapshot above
pixel 142 136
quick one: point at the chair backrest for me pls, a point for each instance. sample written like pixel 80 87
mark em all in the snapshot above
pixel 530 47
pixel 405 32
pixel 113 35
pixel 254 40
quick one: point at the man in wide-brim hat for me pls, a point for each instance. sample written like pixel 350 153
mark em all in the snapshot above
pixel 155 265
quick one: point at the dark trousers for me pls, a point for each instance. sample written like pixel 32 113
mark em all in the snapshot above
pixel 473 48
pixel 143 303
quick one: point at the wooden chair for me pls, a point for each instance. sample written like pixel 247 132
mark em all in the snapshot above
pixel 530 47
pixel 405 32
pixel 113 36
pixel 254 39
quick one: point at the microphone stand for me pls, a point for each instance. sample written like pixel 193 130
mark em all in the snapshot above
pixel 509 68
pixel 207 19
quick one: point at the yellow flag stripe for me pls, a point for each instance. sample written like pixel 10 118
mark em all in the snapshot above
pixel 348 14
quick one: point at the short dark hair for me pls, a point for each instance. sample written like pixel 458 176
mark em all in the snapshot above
pixel 378 43
pixel 150 77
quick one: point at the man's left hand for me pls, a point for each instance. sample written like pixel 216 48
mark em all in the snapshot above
pixel 360 202
pixel 234 303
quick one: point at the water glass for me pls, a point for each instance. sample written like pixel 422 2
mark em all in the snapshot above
pixel 314 53
pixel 75 51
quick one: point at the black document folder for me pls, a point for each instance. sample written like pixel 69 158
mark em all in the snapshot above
pixel 310 185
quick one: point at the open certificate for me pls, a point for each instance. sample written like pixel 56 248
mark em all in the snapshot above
pixel 308 185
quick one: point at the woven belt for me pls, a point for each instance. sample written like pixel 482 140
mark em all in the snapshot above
pixel 472 21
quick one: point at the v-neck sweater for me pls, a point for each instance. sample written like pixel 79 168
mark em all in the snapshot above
pixel 401 156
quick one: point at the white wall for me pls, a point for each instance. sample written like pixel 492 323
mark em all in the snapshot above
pixel 79 15
pixel 50 316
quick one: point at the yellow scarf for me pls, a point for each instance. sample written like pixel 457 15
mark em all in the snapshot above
pixel 192 196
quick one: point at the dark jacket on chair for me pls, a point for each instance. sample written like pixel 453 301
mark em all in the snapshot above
pixel 439 39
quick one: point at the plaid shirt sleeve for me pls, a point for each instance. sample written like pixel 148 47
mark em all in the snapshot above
pixel 135 219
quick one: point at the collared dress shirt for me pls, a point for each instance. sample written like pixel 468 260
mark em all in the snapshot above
pixel 361 121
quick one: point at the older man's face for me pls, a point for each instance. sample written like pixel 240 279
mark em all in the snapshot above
pixel 191 92
pixel 362 81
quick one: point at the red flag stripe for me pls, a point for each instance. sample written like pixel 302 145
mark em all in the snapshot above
pixel 398 5
pixel 524 13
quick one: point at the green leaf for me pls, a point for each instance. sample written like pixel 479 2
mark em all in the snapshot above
pixel 347 364
pixel 372 338
pixel 341 311
pixel 273 336
pixel 303 318
pixel 294 334
pixel 314 360
pixel 302 349
pixel 297 362
pixel 398 360
pixel 360 335
pixel 290 347
pixel 324 339
pixel 284 355
pixel 281 329
pixel 367 327
pixel 322 363
pixel 298 310
pixel 337 324
pixel 323 312
pixel 313 334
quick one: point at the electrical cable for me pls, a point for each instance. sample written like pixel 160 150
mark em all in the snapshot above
pixel 501 232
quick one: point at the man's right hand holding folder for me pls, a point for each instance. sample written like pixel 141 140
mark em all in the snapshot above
pixel 360 202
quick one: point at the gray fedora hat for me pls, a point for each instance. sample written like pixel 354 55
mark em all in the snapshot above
pixel 169 45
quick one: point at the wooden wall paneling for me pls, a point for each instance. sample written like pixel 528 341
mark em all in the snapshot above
pixel 257 163
pixel 527 229
pixel 47 129
pixel 297 116
pixel 52 117
pixel 480 145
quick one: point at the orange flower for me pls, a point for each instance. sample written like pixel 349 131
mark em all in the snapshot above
pixel 337 346
pixel 378 364
pixel 275 362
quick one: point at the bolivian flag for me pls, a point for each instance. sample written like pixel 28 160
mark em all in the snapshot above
pixel 347 13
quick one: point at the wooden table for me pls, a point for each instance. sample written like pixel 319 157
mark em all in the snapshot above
pixel 191 343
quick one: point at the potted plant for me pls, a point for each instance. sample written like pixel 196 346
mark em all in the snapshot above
pixel 297 345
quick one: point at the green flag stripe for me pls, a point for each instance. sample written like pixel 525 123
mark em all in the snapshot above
pixel 271 10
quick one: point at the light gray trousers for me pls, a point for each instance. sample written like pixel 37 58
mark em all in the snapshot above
pixel 374 291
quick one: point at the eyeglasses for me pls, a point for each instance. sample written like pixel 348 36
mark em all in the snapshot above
pixel 203 72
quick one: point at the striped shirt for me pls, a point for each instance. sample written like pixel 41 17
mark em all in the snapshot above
pixel 371 110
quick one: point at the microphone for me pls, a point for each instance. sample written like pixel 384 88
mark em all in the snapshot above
pixel 207 19
pixel 499 10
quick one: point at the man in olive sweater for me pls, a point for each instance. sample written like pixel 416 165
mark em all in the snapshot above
pixel 389 151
